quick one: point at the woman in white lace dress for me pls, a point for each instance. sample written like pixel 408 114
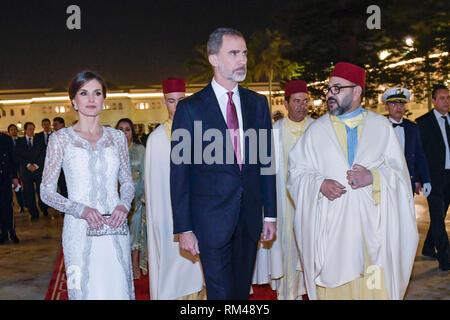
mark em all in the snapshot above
pixel 94 159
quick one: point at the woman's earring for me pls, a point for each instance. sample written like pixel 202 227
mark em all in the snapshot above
pixel 75 107
pixel 103 107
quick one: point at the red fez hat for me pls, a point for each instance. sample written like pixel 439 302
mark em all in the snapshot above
pixel 295 86
pixel 173 85
pixel 350 72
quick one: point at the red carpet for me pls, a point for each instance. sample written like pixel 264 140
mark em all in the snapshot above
pixel 57 289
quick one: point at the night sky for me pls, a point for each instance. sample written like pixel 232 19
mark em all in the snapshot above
pixel 128 42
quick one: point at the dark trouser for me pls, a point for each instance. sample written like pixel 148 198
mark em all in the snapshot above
pixel 437 237
pixel 31 187
pixel 6 210
pixel 19 198
pixel 228 270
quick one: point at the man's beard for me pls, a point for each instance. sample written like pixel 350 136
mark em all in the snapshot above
pixel 340 109
pixel 233 76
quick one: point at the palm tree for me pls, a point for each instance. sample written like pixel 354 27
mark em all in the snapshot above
pixel 198 67
pixel 266 51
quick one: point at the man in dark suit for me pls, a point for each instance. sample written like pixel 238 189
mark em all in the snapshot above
pixel 31 152
pixel 219 196
pixel 8 178
pixel 46 132
pixel 13 133
pixel 408 135
pixel 59 123
pixel 435 133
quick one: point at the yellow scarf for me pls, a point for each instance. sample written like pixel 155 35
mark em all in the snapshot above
pixel 168 128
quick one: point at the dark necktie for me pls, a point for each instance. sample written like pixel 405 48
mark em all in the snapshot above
pixel 398 124
pixel 447 129
pixel 46 138
pixel 30 145
pixel 233 126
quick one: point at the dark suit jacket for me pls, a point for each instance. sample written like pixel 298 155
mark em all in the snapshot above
pixel 208 198
pixel 433 146
pixel 414 154
pixel 41 137
pixel 35 155
pixel 8 169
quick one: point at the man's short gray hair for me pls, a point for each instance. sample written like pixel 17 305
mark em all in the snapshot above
pixel 215 39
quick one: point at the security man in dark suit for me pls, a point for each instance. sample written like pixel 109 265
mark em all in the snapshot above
pixel 409 137
pixel 434 128
pixel 59 123
pixel 31 153
pixel 8 179
pixel 13 133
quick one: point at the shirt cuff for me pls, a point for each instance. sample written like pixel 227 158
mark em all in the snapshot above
pixel 269 219
pixel 376 187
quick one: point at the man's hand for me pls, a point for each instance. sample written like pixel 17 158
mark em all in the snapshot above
pixel 31 167
pixel 188 242
pixel 15 183
pixel 269 230
pixel 417 187
pixel 359 177
pixel 332 189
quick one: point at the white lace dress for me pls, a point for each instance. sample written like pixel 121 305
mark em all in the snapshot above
pixel 97 267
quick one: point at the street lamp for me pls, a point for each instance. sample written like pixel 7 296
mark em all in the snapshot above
pixel 409 41
pixel 383 54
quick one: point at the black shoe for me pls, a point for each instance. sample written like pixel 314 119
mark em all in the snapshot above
pixel 429 255
pixel 444 266
pixel 45 213
pixel 14 238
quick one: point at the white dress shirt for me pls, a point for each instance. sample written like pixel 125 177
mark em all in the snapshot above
pixel 222 98
pixel 400 132
pixel 441 123
pixel 31 139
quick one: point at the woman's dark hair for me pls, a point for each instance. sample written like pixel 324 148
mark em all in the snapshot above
pixel 80 79
pixel 133 131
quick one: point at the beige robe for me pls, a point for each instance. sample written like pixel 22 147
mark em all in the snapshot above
pixel 331 235
pixel 174 273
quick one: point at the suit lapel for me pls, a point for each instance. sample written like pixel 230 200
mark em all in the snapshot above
pixel 408 141
pixel 247 115
pixel 434 125
pixel 212 110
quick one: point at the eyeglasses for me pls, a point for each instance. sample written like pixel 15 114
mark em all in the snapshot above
pixel 335 89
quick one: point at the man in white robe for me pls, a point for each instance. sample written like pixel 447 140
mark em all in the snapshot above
pixel 354 221
pixel 283 255
pixel 174 273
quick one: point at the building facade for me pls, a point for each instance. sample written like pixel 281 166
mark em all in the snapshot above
pixel 143 106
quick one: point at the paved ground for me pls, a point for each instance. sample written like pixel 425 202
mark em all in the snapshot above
pixel 26 268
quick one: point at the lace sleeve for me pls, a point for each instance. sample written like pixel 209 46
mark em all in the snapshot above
pixel 52 169
pixel 125 179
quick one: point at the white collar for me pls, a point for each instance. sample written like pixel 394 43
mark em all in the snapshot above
pixel 438 115
pixel 393 121
pixel 219 90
